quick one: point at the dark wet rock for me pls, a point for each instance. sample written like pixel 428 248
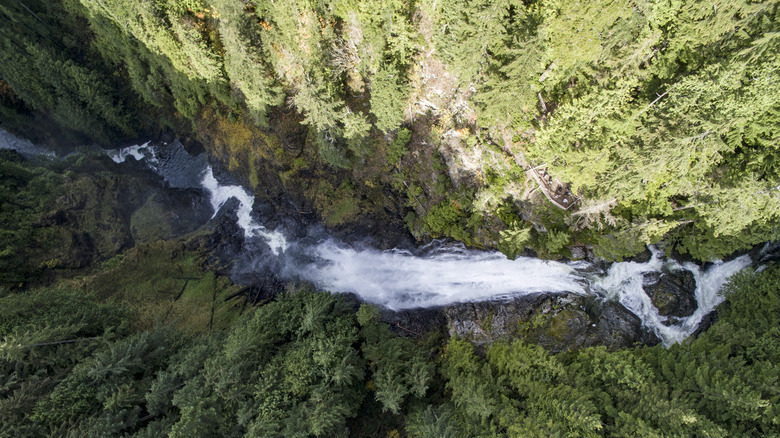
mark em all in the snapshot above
pixel 89 218
pixel 224 224
pixel 643 257
pixel 415 322
pixel 488 321
pixel 685 257
pixel 591 263
pixel 79 249
pixel 223 245
pixel 672 292
pixel 260 267
pixel 766 253
pixel 53 218
pixel 289 128
pixel 706 322
pixel 260 291
pixel 618 327
pixel 90 223
pixel 578 252
pixel 181 169
pixel 224 175
pixel 574 321
pixel 375 232
pixel 557 322
pixel 595 266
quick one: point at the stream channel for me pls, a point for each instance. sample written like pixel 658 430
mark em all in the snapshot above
pixel 438 274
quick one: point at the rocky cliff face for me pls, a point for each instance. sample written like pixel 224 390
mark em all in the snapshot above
pixel 556 322
pixel 84 209
pixel 283 168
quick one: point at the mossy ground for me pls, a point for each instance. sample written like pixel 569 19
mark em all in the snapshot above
pixel 145 222
pixel 163 283
pixel 100 228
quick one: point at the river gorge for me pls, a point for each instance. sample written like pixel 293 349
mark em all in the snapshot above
pixel 441 274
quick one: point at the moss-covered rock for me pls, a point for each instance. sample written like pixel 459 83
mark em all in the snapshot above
pixel 169 213
pixel 557 322
pixel 164 282
pixel 672 292
pixel 69 215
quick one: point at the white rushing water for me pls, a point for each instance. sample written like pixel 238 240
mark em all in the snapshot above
pixel 139 152
pixel 624 283
pixel 221 194
pixel 448 274
pixel 399 280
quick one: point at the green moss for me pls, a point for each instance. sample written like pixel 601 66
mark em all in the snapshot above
pixel 337 205
pixel 146 223
pixel 558 326
pixel 487 323
pixel 553 327
pixel 64 221
pixel 112 262
pixel 287 177
pixel 150 279
pixel 254 179
pixel 341 212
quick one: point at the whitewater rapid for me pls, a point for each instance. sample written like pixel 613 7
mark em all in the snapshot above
pixel 398 279
pixel 624 282
pixel 448 273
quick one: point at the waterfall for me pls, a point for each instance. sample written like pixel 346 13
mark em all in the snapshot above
pixel 221 194
pixel 443 274
pixel 400 280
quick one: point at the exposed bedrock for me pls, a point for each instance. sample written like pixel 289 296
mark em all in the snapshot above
pixel 558 322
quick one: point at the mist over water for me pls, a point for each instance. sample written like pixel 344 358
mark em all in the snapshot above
pixel 24 147
pixel 441 273
pixel 400 280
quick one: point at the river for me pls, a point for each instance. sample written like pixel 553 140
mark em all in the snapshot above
pixel 440 273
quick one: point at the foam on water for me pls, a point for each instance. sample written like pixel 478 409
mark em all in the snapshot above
pixel 708 286
pixel 139 152
pixel 400 280
pixel 221 194
pixel 624 283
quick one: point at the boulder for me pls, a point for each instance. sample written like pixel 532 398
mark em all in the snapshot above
pixel 766 253
pixel 673 292
pixel 487 321
pixel 558 322
pixel 415 323
pixel 224 243
pixel 706 322
pixel 643 257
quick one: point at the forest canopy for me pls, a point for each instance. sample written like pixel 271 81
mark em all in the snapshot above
pixel 660 118
pixel 656 121
pixel 308 364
